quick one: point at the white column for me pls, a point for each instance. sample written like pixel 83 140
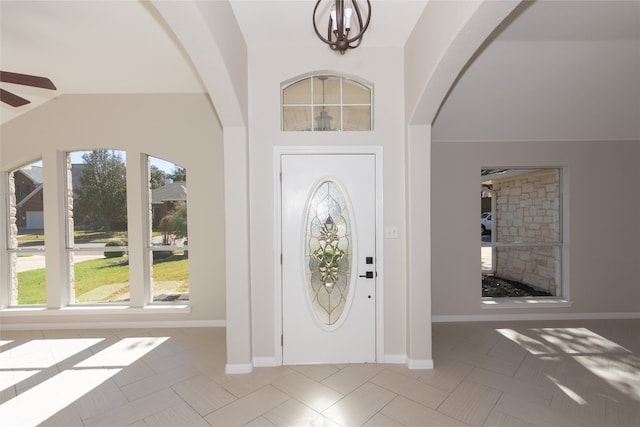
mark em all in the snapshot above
pixel 236 202
pixel 138 225
pixel 55 225
pixel 419 247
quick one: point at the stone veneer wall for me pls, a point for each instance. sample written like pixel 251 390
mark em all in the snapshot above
pixel 528 211
pixel 13 240
pixel 70 229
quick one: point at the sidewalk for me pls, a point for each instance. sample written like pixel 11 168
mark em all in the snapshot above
pixel 35 262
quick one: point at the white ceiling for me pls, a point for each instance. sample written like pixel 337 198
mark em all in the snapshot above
pixel 93 46
pixel 123 46
pixel 90 47
pixel 289 22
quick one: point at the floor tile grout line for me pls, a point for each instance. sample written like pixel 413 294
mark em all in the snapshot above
pixel 466 369
pixel 407 397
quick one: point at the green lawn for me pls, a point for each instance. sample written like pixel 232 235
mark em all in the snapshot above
pixel 170 270
pixel 30 238
pixel 101 280
pixel 93 274
pixel 31 290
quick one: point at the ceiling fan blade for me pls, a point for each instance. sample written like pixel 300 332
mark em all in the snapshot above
pixel 11 99
pixel 26 80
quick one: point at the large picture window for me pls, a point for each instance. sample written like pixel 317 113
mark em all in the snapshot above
pixel 521 232
pixel 101 254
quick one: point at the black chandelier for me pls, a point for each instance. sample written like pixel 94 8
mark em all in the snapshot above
pixel 338 33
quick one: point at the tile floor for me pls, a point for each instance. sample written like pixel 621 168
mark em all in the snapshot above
pixel 572 373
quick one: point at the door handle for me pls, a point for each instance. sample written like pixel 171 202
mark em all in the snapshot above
pixel 367 275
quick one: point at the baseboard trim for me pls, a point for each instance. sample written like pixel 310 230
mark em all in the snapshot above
pixel 238 368
pixel 420 364
pixel 265 362
pixel 398 359
pixel 534 316
pixel 116 325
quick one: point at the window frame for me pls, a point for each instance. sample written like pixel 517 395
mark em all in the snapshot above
pixel 560 300
pixel 314 106
pixel 149 246
pixel 59 297
pixel 12 251
pixel 70 246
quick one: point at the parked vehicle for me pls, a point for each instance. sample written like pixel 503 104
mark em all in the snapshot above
pixel 486 223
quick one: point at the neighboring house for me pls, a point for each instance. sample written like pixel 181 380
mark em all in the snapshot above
pixel 29 196
pixel 164 198
pixel 29 200
pixel 77 170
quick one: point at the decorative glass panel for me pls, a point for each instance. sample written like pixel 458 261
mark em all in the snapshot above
pixel 328 240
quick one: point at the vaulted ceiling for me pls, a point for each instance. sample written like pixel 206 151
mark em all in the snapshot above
pixel 580 59
pixel 554 70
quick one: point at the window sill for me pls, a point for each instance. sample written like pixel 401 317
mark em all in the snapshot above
pixel 93 309
pixel 499 303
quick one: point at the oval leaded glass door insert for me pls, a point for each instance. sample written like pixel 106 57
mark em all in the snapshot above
pixel 328 247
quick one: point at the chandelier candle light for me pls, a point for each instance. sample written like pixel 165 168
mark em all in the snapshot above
pixel 340 19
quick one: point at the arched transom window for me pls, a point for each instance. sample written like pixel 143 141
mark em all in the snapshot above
pixel 326 103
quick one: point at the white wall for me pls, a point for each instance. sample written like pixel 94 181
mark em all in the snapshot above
pixel 268 68
pixel 546 90
pixel 563 95
pixel 180 128
pixel 602 223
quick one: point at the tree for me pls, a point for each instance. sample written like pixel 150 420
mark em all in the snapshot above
pixel 174 224
pixel 179 174
pixel 157 178
pixel 102 190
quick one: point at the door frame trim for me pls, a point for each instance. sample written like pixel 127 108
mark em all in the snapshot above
pixel 280 151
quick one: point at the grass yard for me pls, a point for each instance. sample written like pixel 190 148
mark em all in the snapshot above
pixel 102 280
pixel 23 238
pixel 172 270
pixel 31 289
pixel 96 276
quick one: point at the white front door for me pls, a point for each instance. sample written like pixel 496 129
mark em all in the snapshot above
pixel 328 258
